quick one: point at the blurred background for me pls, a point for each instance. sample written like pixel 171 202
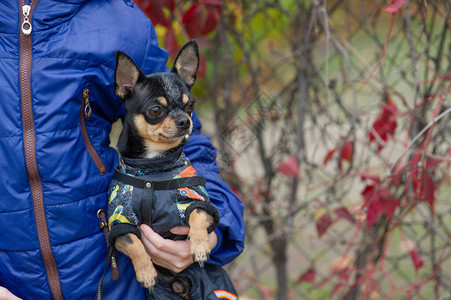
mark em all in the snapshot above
pixel 333 124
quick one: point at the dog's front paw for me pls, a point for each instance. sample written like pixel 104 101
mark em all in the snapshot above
pixel 146 274
pixel 200 247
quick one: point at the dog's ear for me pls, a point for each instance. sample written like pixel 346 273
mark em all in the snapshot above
pixel 126 75
pixel 186 63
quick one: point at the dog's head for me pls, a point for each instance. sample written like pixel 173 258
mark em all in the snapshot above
pixel 159 106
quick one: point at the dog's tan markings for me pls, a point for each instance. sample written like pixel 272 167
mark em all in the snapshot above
pixel 162 101
pixel 157 137
pixel 185 98
pixel 199 221
pixel 132 246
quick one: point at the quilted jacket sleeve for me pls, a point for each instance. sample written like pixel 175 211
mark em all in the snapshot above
pixel 230 230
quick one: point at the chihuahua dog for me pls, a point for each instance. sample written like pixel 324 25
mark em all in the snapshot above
pixel 157 124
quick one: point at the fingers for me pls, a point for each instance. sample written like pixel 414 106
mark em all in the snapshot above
pixel 173 255
pixel 184 230
pixel 162 244
pixel 180 230
pixel 213 239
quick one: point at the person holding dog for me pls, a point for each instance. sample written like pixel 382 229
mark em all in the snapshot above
pixel 56 81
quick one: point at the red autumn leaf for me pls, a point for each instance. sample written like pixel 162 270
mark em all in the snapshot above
pixel 394 5
pixel 289 167
pixel 385 125
pixel 385 195
pixel 170 43
pixel 329 156
pixel 379 127
pixel 347 151
pixel 390 206
pixel 428 190
pixel 389 109
pixel 371 177
pixel 375 209
pixel 154 9
pixel 212 19
pixel 416 259
pixel 344 213
pixel 170 4
pixel 192 20
pixel 307 276
pixel 323 224
pixel 433 162
pixel 368 194
pixel 382 202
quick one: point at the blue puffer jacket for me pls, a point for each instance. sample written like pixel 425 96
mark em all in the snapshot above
pixel 56 163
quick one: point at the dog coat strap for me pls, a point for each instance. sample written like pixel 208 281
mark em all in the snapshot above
pixel 158 185
pixel 179 183
pixel 146 203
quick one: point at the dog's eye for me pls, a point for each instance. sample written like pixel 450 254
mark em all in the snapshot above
pixel 190 106
pixel 155 111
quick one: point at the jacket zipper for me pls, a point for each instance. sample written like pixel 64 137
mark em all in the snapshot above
pixel 85 113
pixel 30 149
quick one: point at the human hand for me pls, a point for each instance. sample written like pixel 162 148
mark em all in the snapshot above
pixel 7 295
pixel 169 254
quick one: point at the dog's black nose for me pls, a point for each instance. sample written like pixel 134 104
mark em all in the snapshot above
pixel 183 123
